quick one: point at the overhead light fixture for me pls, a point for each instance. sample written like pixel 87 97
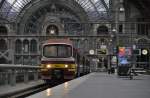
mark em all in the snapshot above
pixel 52 31
pixel 114 30
pixel 121 9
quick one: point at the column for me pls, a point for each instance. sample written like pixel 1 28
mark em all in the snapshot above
pixel 12 79
pixel 26 76
pixel 36 75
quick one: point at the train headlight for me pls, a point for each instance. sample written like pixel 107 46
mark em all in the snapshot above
pixel 66 66
pixel 49 66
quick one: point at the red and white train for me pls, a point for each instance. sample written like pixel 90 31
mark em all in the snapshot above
pixel 60 60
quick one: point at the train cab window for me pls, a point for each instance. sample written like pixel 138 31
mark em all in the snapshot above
pixel 57 51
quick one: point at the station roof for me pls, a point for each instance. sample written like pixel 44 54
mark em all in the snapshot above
pixel 96 9
pixel 142 5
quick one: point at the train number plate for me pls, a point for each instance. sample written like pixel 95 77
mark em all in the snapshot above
pixel 71 69
pixel 57 66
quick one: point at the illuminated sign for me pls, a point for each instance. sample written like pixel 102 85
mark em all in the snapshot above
pixel 124 51
pixel 91 52
pixel 102 50
pixel 121 51
pixel 124 55
pixel 144 52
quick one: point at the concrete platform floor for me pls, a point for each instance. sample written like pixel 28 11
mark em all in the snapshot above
pixel 100 85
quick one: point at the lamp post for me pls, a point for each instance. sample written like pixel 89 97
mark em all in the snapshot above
pixel 114 46
pixel 115 35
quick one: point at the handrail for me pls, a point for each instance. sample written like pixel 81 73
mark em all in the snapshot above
pixel 11 73
pixel 12 66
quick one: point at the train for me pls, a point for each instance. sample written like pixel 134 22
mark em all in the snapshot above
pixel 61 60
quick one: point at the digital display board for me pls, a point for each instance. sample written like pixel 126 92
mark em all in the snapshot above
pixel 124 55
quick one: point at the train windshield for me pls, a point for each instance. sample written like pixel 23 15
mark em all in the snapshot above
pixel 57 51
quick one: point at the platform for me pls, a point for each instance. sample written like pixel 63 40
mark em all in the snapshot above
pixel 100 85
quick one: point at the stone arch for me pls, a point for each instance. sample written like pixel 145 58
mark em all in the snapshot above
pixel 142 39
pixel 71 4
pixel 34 6
pixel 142 42
pixel 52 21
pixel 102 30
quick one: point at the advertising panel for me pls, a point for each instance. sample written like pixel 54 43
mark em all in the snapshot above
pixel 124 55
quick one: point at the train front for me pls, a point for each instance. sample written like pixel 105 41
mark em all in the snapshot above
pixel 57 62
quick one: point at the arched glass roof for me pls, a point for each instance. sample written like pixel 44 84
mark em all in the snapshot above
pixel 96 9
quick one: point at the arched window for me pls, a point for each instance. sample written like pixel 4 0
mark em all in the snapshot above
pixel 102 30
pixel 3 30
pixel 52 30
pixel 33 46
pixel 3 61
pixel 26 46
pixel 18 46
pixel 3 45
pixel 142 43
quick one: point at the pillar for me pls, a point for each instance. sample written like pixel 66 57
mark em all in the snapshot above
pixel 36 75
pixel 26 76
pixel 13 77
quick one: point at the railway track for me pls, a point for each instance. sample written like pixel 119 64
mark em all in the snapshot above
pixel 27 92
